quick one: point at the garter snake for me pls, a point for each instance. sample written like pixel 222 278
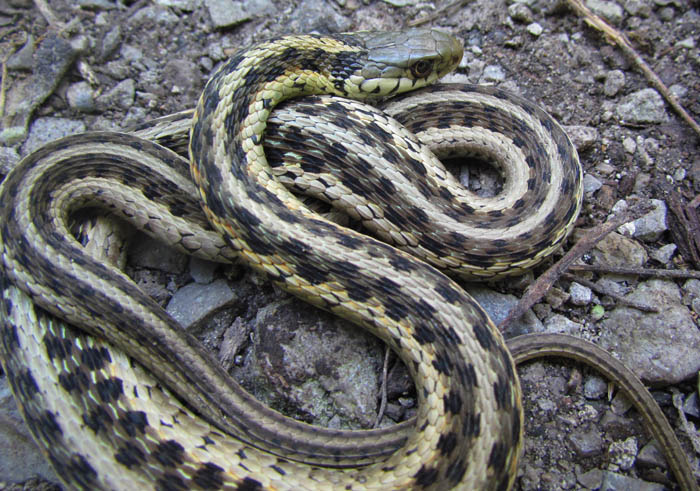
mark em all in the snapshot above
pixel 128 432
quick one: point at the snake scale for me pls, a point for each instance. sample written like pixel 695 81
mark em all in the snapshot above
pixel 106 422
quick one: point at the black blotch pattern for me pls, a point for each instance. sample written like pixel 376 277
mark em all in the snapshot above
pixel 249 484
pixel 95 358
pixel 208 476
pixel 447 443
pixel 425 476
pixel 129 455
pixel 134 423
pixel 453 402
pixel 169 453
pixel 109 389
pixel 97 419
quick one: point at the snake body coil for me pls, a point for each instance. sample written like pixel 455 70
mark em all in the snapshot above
pixel 105 422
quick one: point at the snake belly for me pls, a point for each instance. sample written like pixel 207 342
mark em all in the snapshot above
pixel 469 425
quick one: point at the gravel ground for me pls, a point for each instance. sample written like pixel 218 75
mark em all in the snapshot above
pixel 113 65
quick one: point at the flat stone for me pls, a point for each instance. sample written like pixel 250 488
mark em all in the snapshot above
pixel 493 73
pixel 618 250
pixel 617 482
pixel 147 252
pixel 665 345
pixel 53 57
pixel 195 302
pixel 121 95
pixel 610 10
pixel 645 106
pixel 318 367
pixel 583 137
pixel 8 159
pixel 80 97
pixel 587 443
pixel 594 387
pixel 591 184
pixel 664 254
pixel 498 306
pixel 20 457
pixel 48 129
pixel 650 226
pixel 579 294
pixel 614 82
pixel 558 323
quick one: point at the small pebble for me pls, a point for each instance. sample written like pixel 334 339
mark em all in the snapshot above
pixel 535 29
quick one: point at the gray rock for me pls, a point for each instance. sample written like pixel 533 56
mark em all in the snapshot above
pixel 592 479
pixel 153 254
pixel 629 145
pixel 110 42
pixel 623 453
pixel 618 250
pixel 498 305
pixel 692 287
pixel 228 13
pixel 322 368
pixel 80 97
pixel 520 12
pixel 617 482
pixel 154 13
pixel 181 73
pixel 579 294
pixel 595 387
pixel 20 458
pixel 691 405
pixel 318 15
pixel 650 454
pixel 642 107
pixel 664 254
pixel 121 95
pixel 22 59
pixel 202 271
pixel 401 3
pixel 45 130
pixel 688 43
pixel 587 443
pixel 591 184
pixel 665 345
pixel 557 323
pixel 610 10
pixel 8 159
pixel 493 73
pixel 650 226
pixel 583 137
pixel 194 303
pixel 638 7
pixel 53 57
pixel 535 29
pixel 614 82
pixel 186 5
pixel 667 14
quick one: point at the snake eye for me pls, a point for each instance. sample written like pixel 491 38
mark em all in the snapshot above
pixel 421 69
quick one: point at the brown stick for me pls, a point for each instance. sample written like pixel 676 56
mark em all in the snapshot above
pixel 604 291
pixel 437 13
pixel 536 291
pixel 612 34
pixel 667 274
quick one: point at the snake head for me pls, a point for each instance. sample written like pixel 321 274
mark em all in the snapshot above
pixel 396 62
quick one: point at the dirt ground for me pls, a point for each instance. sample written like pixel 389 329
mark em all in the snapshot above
pixel 132 61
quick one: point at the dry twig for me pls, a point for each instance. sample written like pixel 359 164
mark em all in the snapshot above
pixel 536 291
pixel 437 13
pixel 612 34
pixel 667 274
pixel 605 291
pixel 385 381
